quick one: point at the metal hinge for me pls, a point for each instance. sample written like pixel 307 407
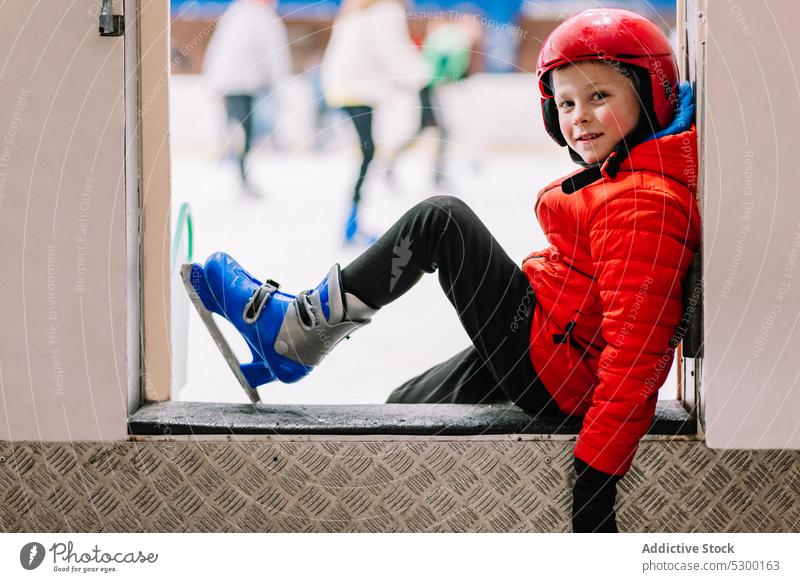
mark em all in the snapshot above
pixel 110 24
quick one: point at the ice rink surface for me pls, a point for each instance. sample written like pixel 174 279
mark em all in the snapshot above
pixel 294 232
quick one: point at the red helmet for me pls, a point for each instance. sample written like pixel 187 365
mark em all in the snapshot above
pixel 611 35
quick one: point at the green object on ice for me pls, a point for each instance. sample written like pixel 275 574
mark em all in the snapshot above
pixel 447 49
pixel 184 221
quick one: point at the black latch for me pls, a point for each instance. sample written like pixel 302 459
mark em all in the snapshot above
pixel 110 24
pixel 560 338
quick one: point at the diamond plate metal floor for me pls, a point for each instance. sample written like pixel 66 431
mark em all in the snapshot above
pixel 381 486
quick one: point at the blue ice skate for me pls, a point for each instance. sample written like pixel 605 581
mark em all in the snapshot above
pixel 287 335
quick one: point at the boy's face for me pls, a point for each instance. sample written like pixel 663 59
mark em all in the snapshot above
pixel 597 107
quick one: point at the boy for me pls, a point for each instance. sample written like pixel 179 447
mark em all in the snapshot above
pixel 586 326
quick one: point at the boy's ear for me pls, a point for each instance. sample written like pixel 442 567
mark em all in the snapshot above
pixel 550 114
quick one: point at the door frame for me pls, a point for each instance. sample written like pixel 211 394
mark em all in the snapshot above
pixel 154 198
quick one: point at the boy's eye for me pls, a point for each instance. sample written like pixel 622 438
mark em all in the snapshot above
pixel 599 95
pixel 565 104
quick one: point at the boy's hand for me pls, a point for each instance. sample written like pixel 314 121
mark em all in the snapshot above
pixel 593 500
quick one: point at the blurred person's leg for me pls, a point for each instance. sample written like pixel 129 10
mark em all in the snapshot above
pixel 430 116
pixel 239 109
pixel 434 119
pixel 362 119
pixel 440 167
pixel 265 115
pixel 425 121
pixel 490 293
pixel 427 102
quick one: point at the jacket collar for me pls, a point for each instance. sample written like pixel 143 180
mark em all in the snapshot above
pixel 674 156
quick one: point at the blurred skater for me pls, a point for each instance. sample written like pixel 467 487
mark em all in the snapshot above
pixel 370 57
pixel 447 48
pixel 248 56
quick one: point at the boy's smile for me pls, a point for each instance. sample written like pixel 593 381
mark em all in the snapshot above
pixel 597 107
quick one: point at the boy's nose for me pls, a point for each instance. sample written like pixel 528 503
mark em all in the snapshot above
pixel 579 115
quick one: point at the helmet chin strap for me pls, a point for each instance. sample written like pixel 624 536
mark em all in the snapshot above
pixel 576 157
pixel 620 152
pixel 610 166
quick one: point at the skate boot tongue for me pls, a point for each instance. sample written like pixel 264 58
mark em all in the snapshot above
pixel 322 303
pixel 317 320
pixel 336 305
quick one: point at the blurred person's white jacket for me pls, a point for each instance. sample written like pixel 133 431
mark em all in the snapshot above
pixel 371 56
pixel 248 52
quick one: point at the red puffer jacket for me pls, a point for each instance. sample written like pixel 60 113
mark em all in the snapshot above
pixel 608 291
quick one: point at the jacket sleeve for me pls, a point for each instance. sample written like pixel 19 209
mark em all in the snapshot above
pixel 641 245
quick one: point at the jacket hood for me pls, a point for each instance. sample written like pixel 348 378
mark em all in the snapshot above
pixel 674 156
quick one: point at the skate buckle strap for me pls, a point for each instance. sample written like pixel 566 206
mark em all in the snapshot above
pixel 306 313
pixel 255 305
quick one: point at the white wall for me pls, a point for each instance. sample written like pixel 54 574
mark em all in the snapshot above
pixel 63 311
pixel 751 215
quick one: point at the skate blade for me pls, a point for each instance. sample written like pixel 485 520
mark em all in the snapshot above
pixel 219 339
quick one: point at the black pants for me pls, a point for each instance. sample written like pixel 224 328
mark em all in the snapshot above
pixel 362 119
pixel 489 292
pixel 240 111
